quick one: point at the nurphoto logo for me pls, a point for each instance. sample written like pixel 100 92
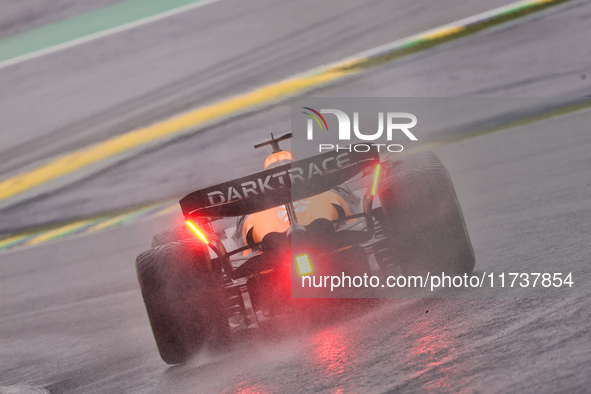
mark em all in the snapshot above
pixel 397 123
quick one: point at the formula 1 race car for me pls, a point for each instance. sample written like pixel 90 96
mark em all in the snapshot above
pixel 247 243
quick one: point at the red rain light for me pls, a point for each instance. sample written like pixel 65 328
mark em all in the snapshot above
pixel 197 232
pixel 304 264
pixel 376 177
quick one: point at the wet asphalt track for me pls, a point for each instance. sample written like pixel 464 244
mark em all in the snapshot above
pixel 73 319
pixel 87 93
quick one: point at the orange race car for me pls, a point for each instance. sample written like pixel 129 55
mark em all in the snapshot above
pixel 258 246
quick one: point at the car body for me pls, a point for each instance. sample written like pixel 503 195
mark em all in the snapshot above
pixel 248 242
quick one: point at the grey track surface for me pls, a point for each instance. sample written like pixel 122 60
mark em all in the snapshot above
pixel 72 318
pixel 511 62
pixel 85 94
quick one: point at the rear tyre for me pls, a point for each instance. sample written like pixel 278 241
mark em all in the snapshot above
pixel 425 230
pixel 183 299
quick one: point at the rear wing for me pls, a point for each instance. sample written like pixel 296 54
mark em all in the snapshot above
pixel 277 186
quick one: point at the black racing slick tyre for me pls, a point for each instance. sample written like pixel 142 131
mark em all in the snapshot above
pixel 423 222
pixel 184 302
pixel 178 233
